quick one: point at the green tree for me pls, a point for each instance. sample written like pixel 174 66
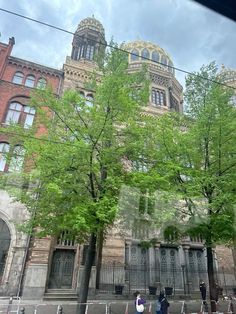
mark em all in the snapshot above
pixel 196 156
pixel 79 160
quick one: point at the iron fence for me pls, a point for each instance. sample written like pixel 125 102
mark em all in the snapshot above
pixel 126 280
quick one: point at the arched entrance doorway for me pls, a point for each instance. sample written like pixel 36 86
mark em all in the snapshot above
pixel 5 240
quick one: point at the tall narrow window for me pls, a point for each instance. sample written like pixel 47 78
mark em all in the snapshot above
pixel 5 239
pixel 89 52
pixel 41 83
pixel 30 80
pixel 145 53
pixel 14 112
pixel 164 60
pixel 134 55
pixel 4 150
pixel 158 97
pixel 18 78
pixel 29 113
pixel 155 56
pixel 17 159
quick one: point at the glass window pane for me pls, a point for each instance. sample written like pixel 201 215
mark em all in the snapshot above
pixel 41 83
pixel 12 116
pixel 4 149
pixel 29 119
pixel 155 56
pixel 145 53
pixel 134 55
pixel 30 79
pixel 163 60
pixel 18 78
pixel 17 159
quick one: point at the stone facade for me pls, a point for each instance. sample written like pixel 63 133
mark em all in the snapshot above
pixel 34 266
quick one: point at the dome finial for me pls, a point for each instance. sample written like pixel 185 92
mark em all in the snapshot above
pixel 93 16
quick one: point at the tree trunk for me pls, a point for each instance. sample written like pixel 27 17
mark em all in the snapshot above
pixel 99 257
pixel 84 283
pixel 211 278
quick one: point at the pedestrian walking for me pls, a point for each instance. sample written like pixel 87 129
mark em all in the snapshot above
pixel 164 303
pixel 202 288
pixel 139 303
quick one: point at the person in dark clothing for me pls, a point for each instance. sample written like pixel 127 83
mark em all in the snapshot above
pixel 164 303
pixel 202 288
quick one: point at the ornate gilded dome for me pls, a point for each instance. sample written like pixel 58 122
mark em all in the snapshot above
pixel 145 49
pixel 91 23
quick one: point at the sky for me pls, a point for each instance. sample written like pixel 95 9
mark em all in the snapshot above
pixel 191 34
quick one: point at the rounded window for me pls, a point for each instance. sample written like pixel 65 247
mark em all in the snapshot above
pixel 155 56
pixel 18 78
pixel 30 80
pixel 145 53
pixel 134 55
pixel 164 60
pixel 41 83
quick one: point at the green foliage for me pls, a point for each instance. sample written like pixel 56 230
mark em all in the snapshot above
pixel 77 159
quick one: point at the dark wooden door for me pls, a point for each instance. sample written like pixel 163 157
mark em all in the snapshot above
pixel 62 269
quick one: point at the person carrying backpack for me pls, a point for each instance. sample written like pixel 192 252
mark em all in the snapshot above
pixel 164 303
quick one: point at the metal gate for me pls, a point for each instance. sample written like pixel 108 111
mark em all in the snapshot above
pixel 62 269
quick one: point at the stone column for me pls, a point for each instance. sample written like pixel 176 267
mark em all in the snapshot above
pixel 157 265
pixel 185 269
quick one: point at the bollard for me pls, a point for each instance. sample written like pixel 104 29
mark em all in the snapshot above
pixel 22 310
pixel 60 309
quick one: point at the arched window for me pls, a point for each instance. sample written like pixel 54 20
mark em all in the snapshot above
pixel 17 113
pixel 14 112
pixel 5 240
pixel 170 67
pixel 4 150
pixel 89 52
pixel 41 83
pixel 163 60
pixel 30 80
pixel 89 100
pixel 18 78
pixel 17 159
pixel 155 56
pixel 145 53
pixel 134 55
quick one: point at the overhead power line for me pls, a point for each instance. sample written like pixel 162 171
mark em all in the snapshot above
pixel 113 47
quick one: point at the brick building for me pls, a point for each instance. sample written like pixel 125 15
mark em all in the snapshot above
pixel 54 265
pixel 17 80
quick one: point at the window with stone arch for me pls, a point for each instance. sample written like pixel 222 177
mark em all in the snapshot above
pixel 134 55
pixel 145 53
pixel 42 83
pixel 158 97
pixel 18 78
pixel 155 56
pixel 5 240
pixel 18 113
pixel 163 60
pixel 30 81
pixel 16 159
pixel 4 150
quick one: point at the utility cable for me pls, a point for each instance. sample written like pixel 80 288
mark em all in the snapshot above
pixel 116 48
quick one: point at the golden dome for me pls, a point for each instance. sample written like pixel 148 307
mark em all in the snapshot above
pixel 151 51
pixel 91 23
